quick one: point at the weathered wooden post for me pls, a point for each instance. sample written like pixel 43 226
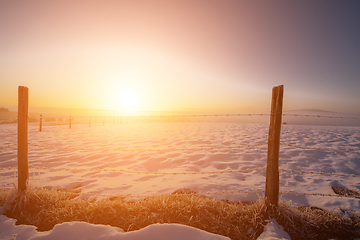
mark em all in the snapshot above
pixel 70 122
pixel 22 151
pixel 40 123
pixel 272 169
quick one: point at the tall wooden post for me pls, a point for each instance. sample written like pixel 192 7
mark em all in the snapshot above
pixel 22 151
pixel 272 170
pixel 40 123
pixel 70 122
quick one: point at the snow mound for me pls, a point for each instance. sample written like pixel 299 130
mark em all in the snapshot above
pixel 83 230
pixel 273 231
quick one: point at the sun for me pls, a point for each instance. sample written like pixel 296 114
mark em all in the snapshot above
pixel 127 99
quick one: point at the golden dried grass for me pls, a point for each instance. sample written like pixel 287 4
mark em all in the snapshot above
pixel 45 208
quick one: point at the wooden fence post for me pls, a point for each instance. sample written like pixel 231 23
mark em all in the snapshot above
pixel 40 123
pixel 272 169
pixel 22 151
pixel 70 122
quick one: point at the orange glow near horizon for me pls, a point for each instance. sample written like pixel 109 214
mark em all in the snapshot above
pixel 198 55
pixel 131 84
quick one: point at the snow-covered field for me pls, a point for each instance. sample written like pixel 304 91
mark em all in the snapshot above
pixel 205 149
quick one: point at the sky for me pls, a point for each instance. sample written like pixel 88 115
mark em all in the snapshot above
pixel 202 55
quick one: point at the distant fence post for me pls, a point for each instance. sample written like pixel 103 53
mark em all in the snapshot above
pixel 22 151
pixel 272 169
pixel 70 122
pixel 40 123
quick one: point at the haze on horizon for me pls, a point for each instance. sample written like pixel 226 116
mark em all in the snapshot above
pixel 166 55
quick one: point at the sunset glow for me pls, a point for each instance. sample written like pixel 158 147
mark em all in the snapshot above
pixel 195 55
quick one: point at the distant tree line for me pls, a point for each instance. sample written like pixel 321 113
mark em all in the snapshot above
pixel 4 110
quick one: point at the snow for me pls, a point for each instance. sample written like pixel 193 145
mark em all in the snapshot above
pixel 63 151
pixel 83 230
pixel 273 231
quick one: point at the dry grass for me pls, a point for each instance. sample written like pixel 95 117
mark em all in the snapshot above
pixel 237 220
pixel 316 223
pixel 346 192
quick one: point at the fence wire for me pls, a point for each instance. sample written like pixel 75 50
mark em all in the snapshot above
pixel 319 173
pixel 256 191
pixel 159 116
pixel 98 170
pixel 51 118
pixel 162 195
pixel 9 145
pixel 183 149
pixel 320 194
pixel 319 149
pixel 149 150
pixel 320 116
pixel 204 115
